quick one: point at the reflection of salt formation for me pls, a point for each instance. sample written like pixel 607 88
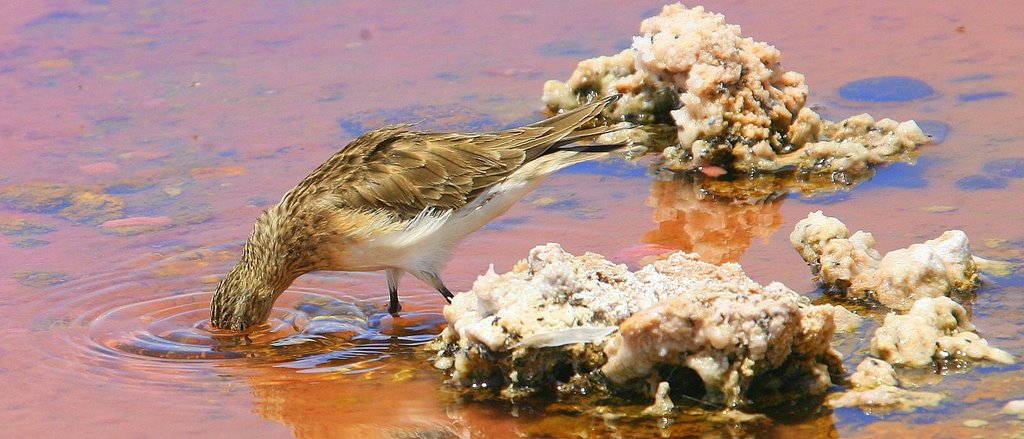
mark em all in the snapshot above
pixel 336 392
pixel 935 329
pixel 874 387
pixel 547 326
pixel 732 104
pixel 719 231
pixel 322 406
pixel 849 264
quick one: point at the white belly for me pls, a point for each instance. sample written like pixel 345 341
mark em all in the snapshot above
pixel 425 243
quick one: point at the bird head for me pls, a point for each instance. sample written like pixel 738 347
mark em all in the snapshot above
pixel 246 295
pixel 243 299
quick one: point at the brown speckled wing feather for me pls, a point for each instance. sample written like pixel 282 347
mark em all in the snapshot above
pixel 405 172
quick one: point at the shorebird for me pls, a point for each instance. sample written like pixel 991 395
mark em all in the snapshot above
pixel 399 201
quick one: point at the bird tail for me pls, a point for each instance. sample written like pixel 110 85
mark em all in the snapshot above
pixel 576 117
pixel 565 128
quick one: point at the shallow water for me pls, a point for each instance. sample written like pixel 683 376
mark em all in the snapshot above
pixel 185 122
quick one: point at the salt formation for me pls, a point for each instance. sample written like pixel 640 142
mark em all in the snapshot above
pixel 935 329
pixel 850 266
pixel 728 335
pixel 731 102
pixel 845 320
pixel 1015 407
pixel 874 387
pixel 580 325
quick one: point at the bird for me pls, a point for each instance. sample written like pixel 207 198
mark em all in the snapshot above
pixel 399 200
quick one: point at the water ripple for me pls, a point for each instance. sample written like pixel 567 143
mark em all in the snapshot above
pixel 149 324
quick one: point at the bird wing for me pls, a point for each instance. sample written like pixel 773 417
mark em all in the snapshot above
pixel 405 172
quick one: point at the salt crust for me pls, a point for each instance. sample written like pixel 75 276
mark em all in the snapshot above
pixel 935 329
pixel 731 102
pixel 850 266
pixel 678 311
pixel 874 387
pixel 1015 407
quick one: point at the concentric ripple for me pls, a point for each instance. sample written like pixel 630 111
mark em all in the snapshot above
pixel 150 324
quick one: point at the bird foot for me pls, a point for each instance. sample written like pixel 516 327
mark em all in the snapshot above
pixel 394 308
pixel 445 293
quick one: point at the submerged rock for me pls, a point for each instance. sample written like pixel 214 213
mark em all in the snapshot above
pixel 849 265
pixel 732 104
pixel 558 323
pixel 874 388
pixel 935 329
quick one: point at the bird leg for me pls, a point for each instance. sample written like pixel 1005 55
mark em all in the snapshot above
pixel 435 281
pixel 445 293
pixel 393 275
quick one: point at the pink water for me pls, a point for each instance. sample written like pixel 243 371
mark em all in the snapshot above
pixel 197 116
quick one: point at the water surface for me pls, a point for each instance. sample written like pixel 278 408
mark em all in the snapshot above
pixel 185 121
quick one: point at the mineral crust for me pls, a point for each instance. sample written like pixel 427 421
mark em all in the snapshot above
pixel 850 266
pixel 935 329
pixel 732 104
pixel 559 323
pixel 874 387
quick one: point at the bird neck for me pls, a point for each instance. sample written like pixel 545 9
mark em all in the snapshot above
pixel 266 273
pixel 274 256
pixel 270 257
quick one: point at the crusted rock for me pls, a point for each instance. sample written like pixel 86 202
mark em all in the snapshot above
pixel 556 320
pixel 729 99
pixel 850 266
pixel 935 329
pixel 874 387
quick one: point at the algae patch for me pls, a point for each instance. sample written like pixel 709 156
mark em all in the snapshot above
pixel 39 279
pixel 81 205
pixel 23 227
